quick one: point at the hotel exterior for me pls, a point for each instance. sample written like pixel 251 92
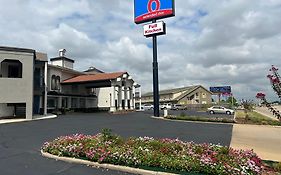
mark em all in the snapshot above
pixel 30 86
pixel 192 96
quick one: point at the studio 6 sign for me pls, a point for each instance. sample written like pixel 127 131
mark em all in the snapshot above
pixel 147 10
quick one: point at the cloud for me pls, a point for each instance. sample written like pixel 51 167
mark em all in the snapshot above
pixel 231 42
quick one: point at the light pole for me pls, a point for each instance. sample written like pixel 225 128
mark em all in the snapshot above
pixel 138 86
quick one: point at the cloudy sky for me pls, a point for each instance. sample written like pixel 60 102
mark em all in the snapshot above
pixel 213 43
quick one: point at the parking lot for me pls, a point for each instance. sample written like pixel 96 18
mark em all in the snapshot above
pixel 20 142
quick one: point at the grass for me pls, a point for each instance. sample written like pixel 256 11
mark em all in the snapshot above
pixel 199 118
pixel 276 166
pixel 255 118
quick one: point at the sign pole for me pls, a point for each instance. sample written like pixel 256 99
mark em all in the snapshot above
pixel 155 76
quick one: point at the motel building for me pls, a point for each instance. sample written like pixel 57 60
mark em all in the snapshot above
pixel 30 86
pixel 190 96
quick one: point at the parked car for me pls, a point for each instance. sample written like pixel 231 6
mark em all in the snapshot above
pixel 220 110
pixel 166 105
pixel 148 107
pixel 178 107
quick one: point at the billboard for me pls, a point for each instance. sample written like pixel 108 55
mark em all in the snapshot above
pixel 221 89
pixel 147 10
pixel 157 28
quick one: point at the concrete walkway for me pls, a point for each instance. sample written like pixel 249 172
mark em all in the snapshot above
pixel 264 140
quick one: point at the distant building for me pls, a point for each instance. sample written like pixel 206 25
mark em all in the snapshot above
pixel 30 86
pixel 191 95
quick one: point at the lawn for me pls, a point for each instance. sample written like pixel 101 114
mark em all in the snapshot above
pixel 254 118
pixel 199 118
pixel 170 155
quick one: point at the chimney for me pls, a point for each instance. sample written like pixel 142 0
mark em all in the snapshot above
pixel 62 52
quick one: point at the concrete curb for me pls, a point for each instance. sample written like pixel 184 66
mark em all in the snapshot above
pixel 215 123
pixel 186 121
pixel 105 166
pixel 8 121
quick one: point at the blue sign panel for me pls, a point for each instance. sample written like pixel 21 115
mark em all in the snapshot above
pixel 148 10
pixel 221 89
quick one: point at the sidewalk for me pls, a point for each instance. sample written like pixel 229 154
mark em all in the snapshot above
pixel 39 117
pixel 264 140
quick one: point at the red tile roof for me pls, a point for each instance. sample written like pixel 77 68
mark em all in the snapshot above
pixel 95 77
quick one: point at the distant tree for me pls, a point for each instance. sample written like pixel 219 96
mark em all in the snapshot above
pixel 248 105
pixel 229 101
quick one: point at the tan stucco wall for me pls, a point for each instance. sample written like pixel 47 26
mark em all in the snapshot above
pixel 58 72
pixel 200 91
pixel 18 90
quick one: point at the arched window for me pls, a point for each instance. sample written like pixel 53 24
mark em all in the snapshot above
pixel 11 69
pixel 53 82
pixel 57 83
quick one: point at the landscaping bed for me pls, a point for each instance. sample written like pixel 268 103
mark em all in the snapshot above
pixel 199 118
pixel 171 155
pixel 252 117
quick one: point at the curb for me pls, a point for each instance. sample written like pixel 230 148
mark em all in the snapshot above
pixel 215 123
pixel 28 120
pixel 186 121
pixel 105 166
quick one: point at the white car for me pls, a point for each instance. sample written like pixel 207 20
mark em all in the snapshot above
pixel 167 106
pixel 148 107
pixel 220 110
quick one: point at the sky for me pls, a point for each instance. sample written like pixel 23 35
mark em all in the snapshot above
pixel 211 43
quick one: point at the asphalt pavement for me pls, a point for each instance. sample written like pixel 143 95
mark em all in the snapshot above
pixel 20 143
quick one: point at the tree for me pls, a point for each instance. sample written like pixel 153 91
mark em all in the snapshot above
pixel 232 101
pixel 275 82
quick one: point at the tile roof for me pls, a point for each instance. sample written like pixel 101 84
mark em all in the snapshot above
pixel 93 77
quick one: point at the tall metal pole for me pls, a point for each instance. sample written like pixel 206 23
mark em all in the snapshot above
pixel 155 77
pixel 140 96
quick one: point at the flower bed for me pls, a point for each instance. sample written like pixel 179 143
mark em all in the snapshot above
pixel 169 154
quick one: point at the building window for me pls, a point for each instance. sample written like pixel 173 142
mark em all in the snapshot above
pixel 55 82
pixel 203 95
pixel 52 103
pixel 11 69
